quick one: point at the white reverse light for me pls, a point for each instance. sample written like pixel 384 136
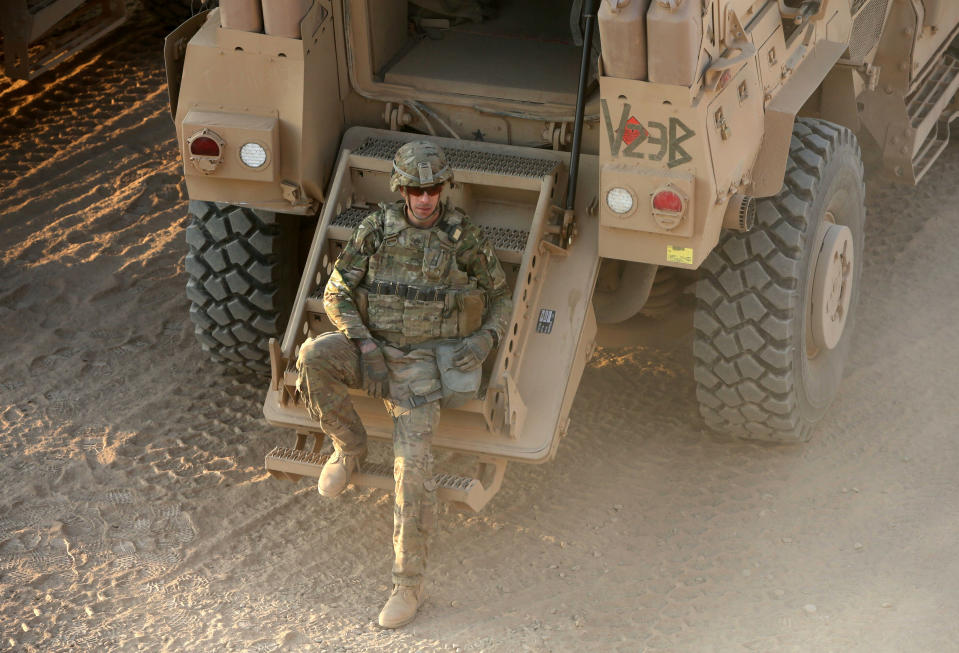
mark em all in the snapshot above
pixel 253 155
pixel 619 200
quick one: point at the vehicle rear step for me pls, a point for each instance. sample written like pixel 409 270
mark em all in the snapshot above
pixel 510 192
pixel 930 150
pixel 470 165
pixel 508 243
pixel 293 464
pixel 926 109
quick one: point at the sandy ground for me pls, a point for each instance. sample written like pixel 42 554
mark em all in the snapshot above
pixel 135 512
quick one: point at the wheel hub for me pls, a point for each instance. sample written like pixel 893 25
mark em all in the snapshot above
pixel 832 286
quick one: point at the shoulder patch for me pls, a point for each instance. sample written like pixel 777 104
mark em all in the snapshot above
pixel 455 232
pixel 454 224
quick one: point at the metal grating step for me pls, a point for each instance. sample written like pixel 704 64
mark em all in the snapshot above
pixel 466 159
pixel 450 482
pixel 352 217
pixel 502 238
pixel 932 90
pixel 934 145
pixel 293 464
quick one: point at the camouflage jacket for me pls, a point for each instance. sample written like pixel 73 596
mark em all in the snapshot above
pixel 439 270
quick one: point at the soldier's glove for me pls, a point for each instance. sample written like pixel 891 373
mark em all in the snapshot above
pixel 473 350
pixel 376 376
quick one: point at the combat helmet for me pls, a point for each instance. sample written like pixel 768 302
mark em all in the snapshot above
pixel 419 164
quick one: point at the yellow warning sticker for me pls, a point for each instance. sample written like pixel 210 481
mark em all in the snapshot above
pixel 679 254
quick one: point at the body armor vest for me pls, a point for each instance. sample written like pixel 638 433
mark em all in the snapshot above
pixel 414 289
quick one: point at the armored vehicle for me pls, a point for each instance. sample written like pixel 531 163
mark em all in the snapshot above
pixel 721 140
pixel 41 34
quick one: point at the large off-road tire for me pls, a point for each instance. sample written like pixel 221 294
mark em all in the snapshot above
pixel 173 13
pixel 241 266
pixel 775 306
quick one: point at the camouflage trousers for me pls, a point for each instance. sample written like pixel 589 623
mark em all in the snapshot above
pixel 329 364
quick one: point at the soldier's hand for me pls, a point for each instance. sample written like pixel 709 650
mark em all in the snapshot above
pixel 376 376
pixel 473 350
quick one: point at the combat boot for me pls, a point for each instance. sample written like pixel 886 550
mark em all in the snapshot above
pixel 401 607
pixel 337 471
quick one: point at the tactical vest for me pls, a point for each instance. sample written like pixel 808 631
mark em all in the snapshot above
pixel 414 289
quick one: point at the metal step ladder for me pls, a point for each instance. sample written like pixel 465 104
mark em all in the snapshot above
pixel 375 155
pixel 509 192
pixel 466 491
pixel 926 108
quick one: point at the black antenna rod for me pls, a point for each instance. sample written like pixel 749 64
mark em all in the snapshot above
pixel 589 12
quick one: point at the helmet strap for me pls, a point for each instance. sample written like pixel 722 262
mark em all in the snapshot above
pixel 410 213
pixel 409 209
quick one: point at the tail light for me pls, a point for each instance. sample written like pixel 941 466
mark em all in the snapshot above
pixel 204 146
pixel 669 201
pixel 206 150
pixel 669 206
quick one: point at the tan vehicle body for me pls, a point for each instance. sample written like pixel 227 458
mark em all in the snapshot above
pixel 709 117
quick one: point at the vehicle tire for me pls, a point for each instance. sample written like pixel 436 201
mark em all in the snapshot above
pixel 775 306
pixel 173 13
pixel 241 265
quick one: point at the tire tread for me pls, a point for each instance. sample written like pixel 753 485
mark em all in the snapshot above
pixel 234 272
pixel 749 290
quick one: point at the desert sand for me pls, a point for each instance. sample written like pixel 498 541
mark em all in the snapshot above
pixel 135 513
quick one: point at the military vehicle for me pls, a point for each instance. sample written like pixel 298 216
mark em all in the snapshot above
pixel 721 140
pixel 41 34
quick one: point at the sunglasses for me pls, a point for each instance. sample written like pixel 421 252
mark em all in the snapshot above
pixel 432 191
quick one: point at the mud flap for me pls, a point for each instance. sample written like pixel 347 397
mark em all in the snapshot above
pixel 174 54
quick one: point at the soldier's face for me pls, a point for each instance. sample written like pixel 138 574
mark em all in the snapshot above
pixel 422 201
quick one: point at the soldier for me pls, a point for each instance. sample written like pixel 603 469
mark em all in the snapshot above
pixel 419 300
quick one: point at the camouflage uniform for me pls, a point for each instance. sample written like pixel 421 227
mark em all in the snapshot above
pixel 409 289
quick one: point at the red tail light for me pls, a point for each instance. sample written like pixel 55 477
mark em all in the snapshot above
pixel 204 146
pixel 667 200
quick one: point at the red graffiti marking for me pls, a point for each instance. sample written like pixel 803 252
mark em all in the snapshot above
pixel 634 129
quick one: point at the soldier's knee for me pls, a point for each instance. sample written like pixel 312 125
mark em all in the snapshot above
pixel 319 352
